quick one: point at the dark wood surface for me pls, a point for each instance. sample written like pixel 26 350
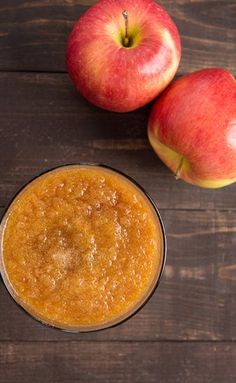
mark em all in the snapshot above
pixel 33 33
pixel 99 362
pixel 187 331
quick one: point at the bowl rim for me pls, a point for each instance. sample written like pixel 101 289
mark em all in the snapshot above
pixel 124 317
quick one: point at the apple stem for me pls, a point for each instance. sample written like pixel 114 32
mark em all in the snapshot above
pixel 178 171
pixel 126 17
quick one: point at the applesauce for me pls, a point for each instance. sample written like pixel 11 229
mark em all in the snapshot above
pixel 82 247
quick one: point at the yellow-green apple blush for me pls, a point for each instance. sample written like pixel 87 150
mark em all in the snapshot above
pixel 122 53
pixel 192 128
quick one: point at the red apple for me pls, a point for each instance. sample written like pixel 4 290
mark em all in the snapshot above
pixel 192 128
pixel 122 53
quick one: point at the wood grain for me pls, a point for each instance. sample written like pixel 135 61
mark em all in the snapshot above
pixel 44 123
pixel 117 362
pixel 195 300
pixel 186 333
pixel 33 34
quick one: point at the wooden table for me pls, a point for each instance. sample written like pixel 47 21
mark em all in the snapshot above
pixel 187 331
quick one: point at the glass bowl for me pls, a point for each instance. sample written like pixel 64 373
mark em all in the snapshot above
pixel 117 320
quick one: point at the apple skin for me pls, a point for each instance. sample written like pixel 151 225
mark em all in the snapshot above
pixel 115 77
pixel 192 128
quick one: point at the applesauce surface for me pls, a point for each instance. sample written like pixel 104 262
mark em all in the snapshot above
pixel 82 246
